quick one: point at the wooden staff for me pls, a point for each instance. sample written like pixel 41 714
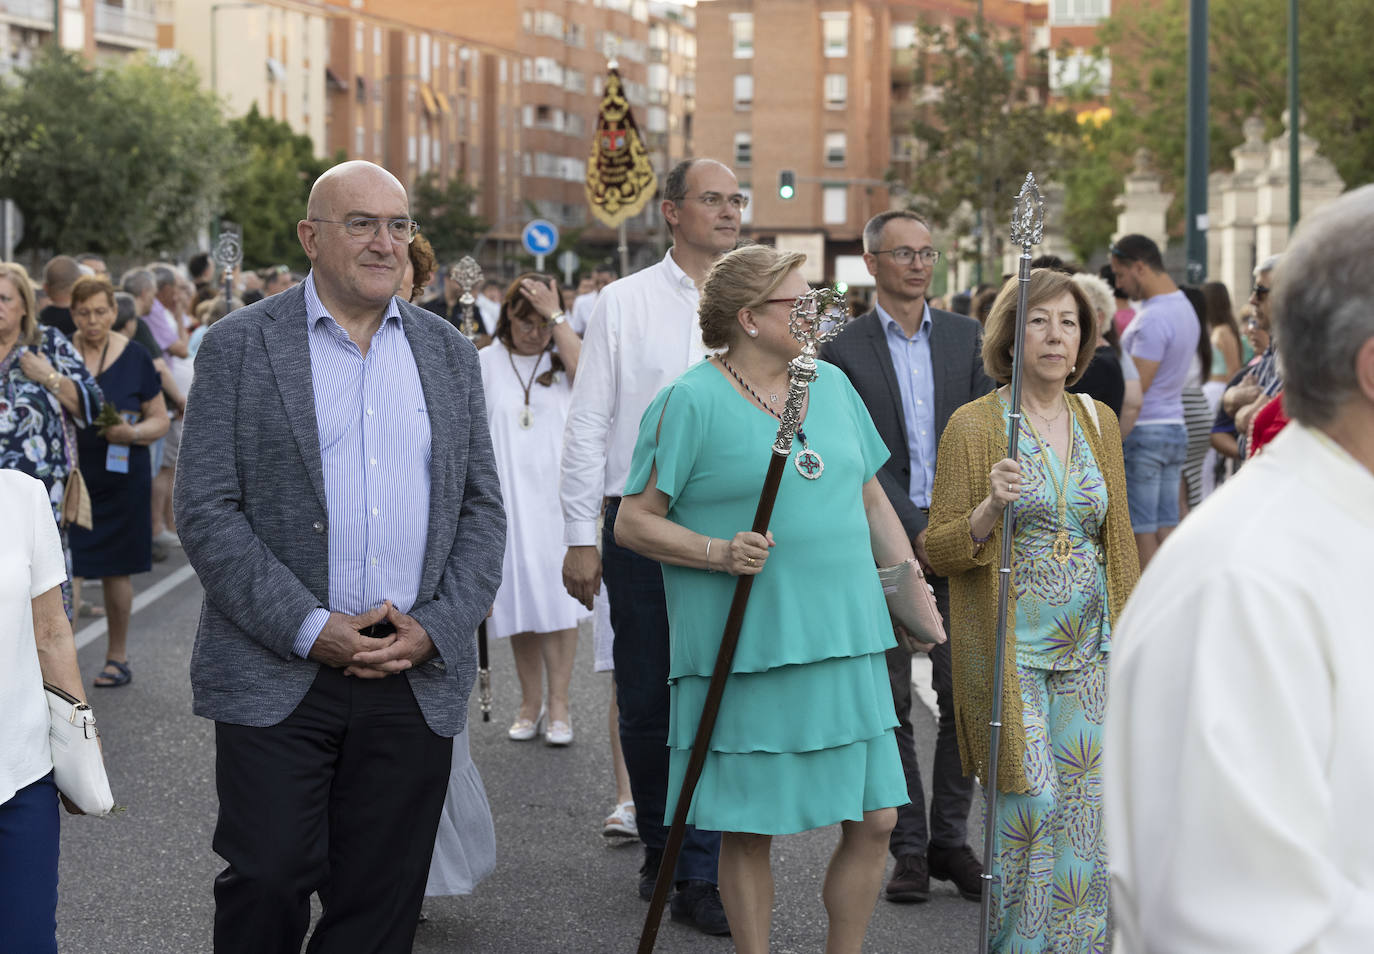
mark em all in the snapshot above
pixel 817 317
pixel 1027 229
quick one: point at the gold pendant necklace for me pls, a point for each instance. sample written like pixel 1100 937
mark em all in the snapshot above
pixel 1063 547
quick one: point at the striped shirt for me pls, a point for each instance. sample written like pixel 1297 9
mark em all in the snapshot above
pixel 375 452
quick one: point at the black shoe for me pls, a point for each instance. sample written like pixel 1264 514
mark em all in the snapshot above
pixel 910 880
pixel 960 866
pixel 697 903
pixel 648 873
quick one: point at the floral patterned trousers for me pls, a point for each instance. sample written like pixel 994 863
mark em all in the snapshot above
pixel 1050 892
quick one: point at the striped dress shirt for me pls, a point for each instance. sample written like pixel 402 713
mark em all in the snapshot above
pixel 375 452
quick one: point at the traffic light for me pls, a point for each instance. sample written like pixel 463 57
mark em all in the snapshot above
pixel 787 184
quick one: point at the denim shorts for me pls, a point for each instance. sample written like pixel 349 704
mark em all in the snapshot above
pixel 1154 464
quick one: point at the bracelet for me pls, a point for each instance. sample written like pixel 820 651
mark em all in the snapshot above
pixel 55 376
pixel 980 540
pixel 708 556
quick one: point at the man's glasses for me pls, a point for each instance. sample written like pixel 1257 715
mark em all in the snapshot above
pixel 905 255
pixel 714 200
pixel 363 226
pixel 1260 292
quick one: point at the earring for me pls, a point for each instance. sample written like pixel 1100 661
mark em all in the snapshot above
pixel 753 332
pixel 1073 369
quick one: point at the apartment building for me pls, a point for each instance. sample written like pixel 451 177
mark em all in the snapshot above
pixel 102 30
pixel 795 87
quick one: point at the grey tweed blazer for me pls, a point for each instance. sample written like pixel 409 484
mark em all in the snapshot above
pixel 956 357
pixel 250 509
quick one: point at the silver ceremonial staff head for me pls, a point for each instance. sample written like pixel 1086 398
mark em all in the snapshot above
pixel 818 316
pixel 1028 219
pixel 468 274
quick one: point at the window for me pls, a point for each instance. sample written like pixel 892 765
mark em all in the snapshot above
pixel 359 141
pixel 835 204
pixel 744 91
pixel 742 34
pixel 744 148
pixel 575 35
pixel 1079 11
pixel 1080 69
pixel 574 81
pixel 658 119
pixel 834 148
pixel 836 90
pixel 658 77
pixel 835 33
pixel 376 41
pixel 747 216
pixel 903 36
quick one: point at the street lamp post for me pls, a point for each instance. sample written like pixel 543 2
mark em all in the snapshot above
pixel 1196 205
pixel 1294 121
pixel 215 8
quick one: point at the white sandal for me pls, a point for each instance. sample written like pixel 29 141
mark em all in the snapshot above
pixel 559 733
pixel 522 730
pixel 621 822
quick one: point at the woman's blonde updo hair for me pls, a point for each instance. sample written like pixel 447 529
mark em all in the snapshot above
pixel 744 278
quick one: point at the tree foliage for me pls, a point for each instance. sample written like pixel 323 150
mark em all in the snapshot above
pixel 444 211
pixel 269 183
pixel 125 160
pixel 1247 76
pixel 982 133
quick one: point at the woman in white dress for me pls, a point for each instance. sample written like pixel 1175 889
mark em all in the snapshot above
pixel 527 374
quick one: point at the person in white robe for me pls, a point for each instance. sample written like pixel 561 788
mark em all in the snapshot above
pixel 1239 740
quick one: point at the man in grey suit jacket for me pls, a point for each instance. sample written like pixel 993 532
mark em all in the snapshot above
pixel 337 495
pixel 913 366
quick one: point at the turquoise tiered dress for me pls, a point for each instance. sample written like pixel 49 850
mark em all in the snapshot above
pixel 804 737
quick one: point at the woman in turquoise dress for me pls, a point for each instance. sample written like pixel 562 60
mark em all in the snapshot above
pixel 1074 563
pixel 804 737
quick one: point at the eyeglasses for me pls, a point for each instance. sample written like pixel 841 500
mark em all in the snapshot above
pixel 905 255
pixel 713 200
pixel 1260 292
pixel 363 226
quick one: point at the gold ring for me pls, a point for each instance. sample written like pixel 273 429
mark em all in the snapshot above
pixel 751 561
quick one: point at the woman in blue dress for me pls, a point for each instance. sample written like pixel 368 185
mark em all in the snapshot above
pixel 115 464
pixel 804 736
pixel 47 394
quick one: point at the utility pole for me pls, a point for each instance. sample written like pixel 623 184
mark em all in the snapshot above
pixel 1196 241
pixel 1294 121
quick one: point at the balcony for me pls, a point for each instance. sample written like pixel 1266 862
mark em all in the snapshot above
pixel 125 26
pixel 37 12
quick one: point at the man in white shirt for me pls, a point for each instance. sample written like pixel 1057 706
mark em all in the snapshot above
pixel 602 275
pixel 643 333
pixel 1238 738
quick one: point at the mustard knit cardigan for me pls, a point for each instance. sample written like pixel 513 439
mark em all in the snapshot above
pixel 974 440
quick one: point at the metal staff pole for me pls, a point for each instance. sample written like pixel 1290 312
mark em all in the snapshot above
pixel 468 274
pixel 816 318
pixel 1027 229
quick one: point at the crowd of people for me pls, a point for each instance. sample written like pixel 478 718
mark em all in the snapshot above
pixel 351 549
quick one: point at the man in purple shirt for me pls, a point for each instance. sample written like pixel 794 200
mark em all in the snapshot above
pixel 1161 341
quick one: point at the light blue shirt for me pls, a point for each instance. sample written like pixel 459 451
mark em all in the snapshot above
pixel 916 380
pixel 375 451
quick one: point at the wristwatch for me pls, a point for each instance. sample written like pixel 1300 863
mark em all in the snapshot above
pixel 556 319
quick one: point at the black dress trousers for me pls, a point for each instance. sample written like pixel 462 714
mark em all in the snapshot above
pixel 341 798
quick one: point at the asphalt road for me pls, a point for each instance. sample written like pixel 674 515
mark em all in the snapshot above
pixel 140 881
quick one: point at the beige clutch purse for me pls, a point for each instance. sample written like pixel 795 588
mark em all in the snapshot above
pixel 911 602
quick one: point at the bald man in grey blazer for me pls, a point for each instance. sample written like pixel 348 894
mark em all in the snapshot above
pixel 913 366
pixel 337 495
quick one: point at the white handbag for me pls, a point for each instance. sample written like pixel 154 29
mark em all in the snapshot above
pixel 78 768
pixel 911 602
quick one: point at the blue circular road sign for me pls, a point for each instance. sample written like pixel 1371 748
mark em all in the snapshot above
pixel 540 237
